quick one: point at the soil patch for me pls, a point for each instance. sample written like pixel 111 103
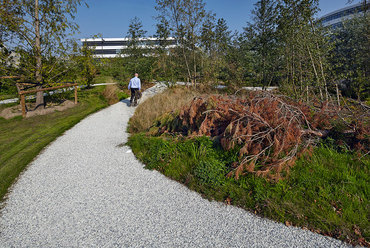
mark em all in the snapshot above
pixel 14 111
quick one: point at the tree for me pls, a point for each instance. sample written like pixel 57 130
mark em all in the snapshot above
pixel 208 50
pixel 222 36
pixel 84 65
pixel 136 51
pixel 208 36
pixel 216 42
pixel 240 60
pixel 351 55
pixel 185 18
pixel 135 33
pixel 300 54
pixel 163 32
pixel 165 68
pixel 40 29
pixel 365 4
pixel 223 47
pixel 261 34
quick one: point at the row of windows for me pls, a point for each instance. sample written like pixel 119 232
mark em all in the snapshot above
pixel 337 25
pixel 338 15
pixel 126 43
pixel 105 43
pixel 109 51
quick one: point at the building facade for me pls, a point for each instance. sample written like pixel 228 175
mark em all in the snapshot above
pixel 117 47
pixel 335 19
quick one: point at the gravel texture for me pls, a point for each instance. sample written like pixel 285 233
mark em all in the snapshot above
pixel 87 189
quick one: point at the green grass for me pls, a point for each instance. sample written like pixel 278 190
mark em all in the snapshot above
pixel 4 96
pixel 327 193
pixel 101 79
pixel 21 140
pixel 122 96
pixel 8 90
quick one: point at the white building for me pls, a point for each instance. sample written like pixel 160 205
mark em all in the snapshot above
pixel 335 18
pixel 115 47
pixel 12 59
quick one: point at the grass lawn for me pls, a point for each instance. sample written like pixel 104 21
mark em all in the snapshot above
pixel 8 96
pixel 21 140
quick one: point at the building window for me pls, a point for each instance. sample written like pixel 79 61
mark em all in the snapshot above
pixel 105 51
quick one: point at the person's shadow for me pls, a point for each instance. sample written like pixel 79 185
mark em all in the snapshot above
pixel 127 101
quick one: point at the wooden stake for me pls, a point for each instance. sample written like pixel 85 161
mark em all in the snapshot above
pixel 23 105
pixel 75 94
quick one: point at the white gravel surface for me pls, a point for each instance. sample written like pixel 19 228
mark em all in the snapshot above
pixel 87 190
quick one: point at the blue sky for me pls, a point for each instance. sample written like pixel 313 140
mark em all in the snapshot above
pixel 111 17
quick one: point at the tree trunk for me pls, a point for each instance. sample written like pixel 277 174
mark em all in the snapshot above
pixel 315 71
pixel 308 94
pixel 337 89
pixel 186 60
pixel 320 60
pixel 38 75
pixel 195 68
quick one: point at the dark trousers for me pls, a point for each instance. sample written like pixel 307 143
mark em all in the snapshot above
pixel 133 98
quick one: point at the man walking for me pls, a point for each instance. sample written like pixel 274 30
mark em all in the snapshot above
pixel 135 86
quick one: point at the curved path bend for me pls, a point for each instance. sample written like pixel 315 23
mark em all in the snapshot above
pixel 87 190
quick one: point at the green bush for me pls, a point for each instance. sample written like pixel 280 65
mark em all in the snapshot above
pixel 7 89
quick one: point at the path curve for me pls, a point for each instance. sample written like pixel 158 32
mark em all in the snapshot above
pixel 87 190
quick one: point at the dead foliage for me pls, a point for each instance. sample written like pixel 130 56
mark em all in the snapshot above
pixel 355 130
pixel 270 131
pixel 110 93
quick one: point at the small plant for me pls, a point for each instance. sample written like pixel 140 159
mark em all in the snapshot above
pixel 211 172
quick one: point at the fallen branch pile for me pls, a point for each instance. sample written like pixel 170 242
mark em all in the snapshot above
pixel 269 131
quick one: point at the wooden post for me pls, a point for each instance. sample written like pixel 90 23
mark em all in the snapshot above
pixel 75 94
pixel 46 89
pixel 23 93
pixel 23 105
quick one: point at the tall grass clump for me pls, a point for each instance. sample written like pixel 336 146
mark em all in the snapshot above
pixel 113 94
pixel 170 100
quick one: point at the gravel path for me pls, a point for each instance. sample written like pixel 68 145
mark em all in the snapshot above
pixel 87 190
